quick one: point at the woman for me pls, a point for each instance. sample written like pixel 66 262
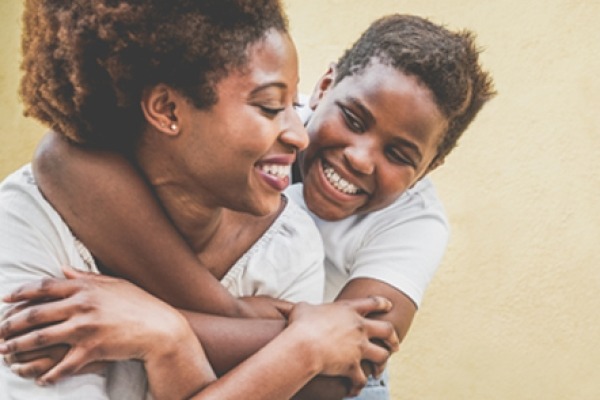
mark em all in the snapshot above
pixel 201 101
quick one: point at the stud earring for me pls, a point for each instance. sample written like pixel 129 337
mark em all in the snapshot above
pixel 173 126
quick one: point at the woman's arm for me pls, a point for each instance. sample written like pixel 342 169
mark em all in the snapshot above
pixel 95 315
pixel 108 205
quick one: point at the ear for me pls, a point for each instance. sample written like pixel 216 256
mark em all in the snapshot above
pixel 161 106
pixel 323 85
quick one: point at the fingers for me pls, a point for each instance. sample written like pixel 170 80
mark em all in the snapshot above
pixel 368 305
pixel 358 380
pixel 55 288
pixel 71 273
pixel 73 362
pixel 383 331
pixel 383 342
pixel 37 315
pixel 44 289
pixel 55 353
pixel 38 339
pixel 377 356
pixel 32 369
pixel 39 364
pixel 284 307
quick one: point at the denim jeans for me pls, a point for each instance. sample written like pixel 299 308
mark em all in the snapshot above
pixel 376 389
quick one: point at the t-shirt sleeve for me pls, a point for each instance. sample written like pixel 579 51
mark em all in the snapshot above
pixel 31 248
pixel 404 255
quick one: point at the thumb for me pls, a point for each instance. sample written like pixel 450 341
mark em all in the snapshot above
pixel 71 273
pixel 284 308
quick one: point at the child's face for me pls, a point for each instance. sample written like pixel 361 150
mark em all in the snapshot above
pixel 372 136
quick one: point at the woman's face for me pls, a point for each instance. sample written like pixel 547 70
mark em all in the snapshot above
pixel 372 136
pixel 239 152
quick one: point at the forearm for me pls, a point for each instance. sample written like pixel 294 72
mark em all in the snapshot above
pixel 229 341
pixel 324 388
pixel 268 374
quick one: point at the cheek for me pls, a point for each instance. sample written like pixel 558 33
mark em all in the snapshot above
pixel 393 185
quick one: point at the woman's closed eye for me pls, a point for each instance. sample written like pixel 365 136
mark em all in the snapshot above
pixel 270 111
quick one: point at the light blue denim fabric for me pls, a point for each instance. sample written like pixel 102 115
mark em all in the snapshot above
pixel 376 389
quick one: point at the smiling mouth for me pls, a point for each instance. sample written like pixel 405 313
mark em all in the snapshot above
pixel 276 170
pixel 338 182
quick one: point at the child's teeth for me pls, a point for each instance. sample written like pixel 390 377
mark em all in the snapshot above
pixel 338 182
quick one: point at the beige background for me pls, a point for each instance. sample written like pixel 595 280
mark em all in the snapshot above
pixel 513 311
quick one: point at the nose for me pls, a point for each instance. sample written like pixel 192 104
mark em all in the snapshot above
pixel 360 158
pixel 293 133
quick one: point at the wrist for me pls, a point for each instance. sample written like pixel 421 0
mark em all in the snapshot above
pixel 179 370
pixel 303 342
pixel 170 339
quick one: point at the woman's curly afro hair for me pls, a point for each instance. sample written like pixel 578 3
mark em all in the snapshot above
pixel 444 61
pixel 86 63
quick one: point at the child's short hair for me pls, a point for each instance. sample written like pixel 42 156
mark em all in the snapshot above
pixel 446 62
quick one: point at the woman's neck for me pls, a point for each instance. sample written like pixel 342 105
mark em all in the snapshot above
pixel 185 204
pixel 196 222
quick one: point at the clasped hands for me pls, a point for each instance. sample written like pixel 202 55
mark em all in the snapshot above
pixel 61 327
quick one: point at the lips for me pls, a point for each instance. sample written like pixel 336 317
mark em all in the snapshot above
pixel 276 174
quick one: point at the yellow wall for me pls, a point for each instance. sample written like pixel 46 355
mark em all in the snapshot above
pixel 18 135
pixel 513 312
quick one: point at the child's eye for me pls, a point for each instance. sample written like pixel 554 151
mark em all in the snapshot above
pixel 398 157
pixel 352 120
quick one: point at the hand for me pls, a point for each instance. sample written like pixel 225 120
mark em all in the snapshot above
pixel 35 363
pixel 341 336
pixel 101 318
pixel 266 307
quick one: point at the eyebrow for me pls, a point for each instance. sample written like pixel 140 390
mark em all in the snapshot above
pixel 267 85
pixel 366 114
pixel 370 120
pixel 278 84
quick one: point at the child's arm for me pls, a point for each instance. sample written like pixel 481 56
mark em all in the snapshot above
pixel 109 207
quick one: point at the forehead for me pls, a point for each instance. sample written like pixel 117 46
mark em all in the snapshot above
pixel 271 59
pixel 399 103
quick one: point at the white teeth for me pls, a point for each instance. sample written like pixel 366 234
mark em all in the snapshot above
pixel 338 182
pixel 278 170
